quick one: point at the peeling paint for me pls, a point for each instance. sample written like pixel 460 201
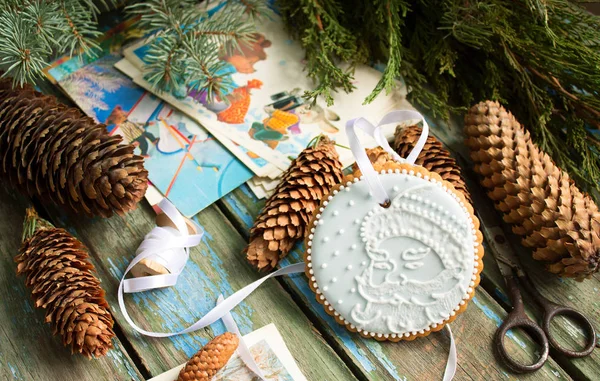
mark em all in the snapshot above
pixel 498 320
pixel 239 209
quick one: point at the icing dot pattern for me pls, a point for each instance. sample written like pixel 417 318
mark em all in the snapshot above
pixel 379 284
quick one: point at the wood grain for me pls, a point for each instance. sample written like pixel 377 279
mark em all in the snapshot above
pixel 215 267
pixel 582 296
pixel 28 351
pixel 473 330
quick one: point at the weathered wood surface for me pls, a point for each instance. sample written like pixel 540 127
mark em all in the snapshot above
pixel 215 267
pixel 421 359
pixel 323 349
pixel 28 351
pixel 582 296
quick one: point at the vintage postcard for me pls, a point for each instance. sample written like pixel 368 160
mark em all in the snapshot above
pixel 266 113
pixel 270 354
pixel 184 162
pixel 255 163
pixel 187 164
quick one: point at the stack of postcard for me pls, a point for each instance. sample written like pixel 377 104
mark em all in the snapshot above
pixel 198 150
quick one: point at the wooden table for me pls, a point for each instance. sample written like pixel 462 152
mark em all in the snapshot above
pixel 323 349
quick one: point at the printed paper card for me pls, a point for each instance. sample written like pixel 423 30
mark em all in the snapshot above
pixel 255 163
pixel 270 354
pixel 266 113
pixel 184 162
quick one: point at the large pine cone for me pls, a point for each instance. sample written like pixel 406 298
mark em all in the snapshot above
pixel 62 282
pixel 212 357
pixel 555 218
pixel 288 211
pixel 55 152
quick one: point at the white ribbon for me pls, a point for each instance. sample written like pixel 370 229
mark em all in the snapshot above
pixel 452 361
pixel 243 351
pixel 170 247
pixel 362 160
pixel 164 245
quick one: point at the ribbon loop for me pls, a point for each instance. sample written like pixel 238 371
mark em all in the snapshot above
pixel 362 160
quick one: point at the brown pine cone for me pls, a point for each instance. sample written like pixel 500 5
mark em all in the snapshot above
pixel 288 211
pixel 543 204
pixel 210 359
pixel 55 152
pixel 62 282
pixel 434 156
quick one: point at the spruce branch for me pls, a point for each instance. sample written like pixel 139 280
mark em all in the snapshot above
pixel 32 31
pixel 184 50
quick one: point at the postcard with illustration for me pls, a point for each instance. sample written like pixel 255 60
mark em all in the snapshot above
pixel 184 162
pixel 187 164
pixel 266 113
pixel 270 354
pixel 255 163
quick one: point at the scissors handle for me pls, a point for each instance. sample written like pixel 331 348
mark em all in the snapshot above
pixel 518 319
pixel 552 310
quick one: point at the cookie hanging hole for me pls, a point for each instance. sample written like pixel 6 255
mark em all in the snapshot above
pixel 386 204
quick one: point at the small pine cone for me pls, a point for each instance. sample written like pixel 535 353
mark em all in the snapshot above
pixel 543 204
pixel 210 359
pixel 434 157
pixel 55 152
pixel 288 211
pixel 62 282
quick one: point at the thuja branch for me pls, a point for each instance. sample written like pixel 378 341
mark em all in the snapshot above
pixel 538 57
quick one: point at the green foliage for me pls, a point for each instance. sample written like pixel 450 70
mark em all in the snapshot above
pixel 32 30
pixel 187 41
pixel 540 58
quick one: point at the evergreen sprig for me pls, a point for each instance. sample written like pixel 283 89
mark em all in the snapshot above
pixel 188 39
pixel 31 31
pixel 540 58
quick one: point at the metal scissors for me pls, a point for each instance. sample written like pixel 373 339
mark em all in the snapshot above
pixel 514 275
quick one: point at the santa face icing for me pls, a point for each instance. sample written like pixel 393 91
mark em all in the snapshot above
pixel 396 271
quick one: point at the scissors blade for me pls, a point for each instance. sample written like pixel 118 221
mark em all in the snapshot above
pixel 505 255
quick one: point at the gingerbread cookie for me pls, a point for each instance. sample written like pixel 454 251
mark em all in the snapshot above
pixel 395 272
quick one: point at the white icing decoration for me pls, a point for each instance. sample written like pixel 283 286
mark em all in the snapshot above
pixel 417 256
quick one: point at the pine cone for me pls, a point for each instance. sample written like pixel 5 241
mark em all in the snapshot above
pixel 207 362
pixel 288 211
pixel 434 157
pixel 55 152
pixel 57 270
pixel 555 218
